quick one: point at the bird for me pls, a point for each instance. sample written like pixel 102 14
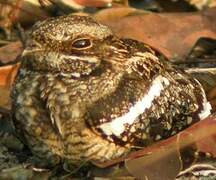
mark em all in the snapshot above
pixel 83 94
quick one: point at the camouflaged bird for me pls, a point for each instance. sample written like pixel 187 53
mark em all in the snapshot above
pixel 84 94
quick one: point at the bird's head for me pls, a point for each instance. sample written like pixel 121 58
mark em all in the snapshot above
pixel 71 45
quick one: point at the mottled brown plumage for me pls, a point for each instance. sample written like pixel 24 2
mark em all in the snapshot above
pixel 83 94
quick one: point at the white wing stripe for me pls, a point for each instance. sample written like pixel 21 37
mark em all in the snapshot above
pixel 117 125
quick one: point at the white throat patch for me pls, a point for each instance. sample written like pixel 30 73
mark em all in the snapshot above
pixel 117 126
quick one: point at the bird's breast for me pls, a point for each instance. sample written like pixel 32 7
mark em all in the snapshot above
pixel 137 113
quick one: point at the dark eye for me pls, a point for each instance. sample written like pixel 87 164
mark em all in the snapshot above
pixel 81 43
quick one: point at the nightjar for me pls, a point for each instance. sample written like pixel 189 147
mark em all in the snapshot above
pixel 84 94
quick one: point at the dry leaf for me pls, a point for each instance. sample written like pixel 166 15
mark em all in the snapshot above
pixel 22 11
pixel 7 75
pixel 10 52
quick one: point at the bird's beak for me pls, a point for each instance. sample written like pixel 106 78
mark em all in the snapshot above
pixel 31 47
pixel 28 51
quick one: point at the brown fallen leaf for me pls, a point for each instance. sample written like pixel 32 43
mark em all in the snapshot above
pixel 161 164
pixel 7 75
pixel 212 93
pixel 10 52
pixel 22 11
pixel 5 98
pixel 174 34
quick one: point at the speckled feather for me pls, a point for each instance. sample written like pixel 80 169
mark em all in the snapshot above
pixel 98 101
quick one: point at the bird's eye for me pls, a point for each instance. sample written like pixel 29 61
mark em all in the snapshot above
pixel 82 43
